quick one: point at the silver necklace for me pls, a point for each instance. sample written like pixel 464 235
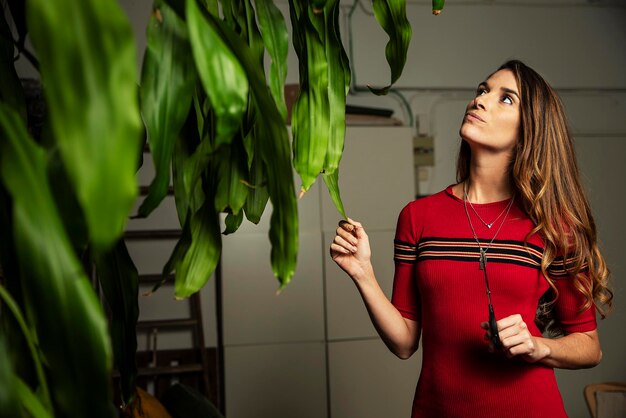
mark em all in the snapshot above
pixel 482 260
pixel 490 224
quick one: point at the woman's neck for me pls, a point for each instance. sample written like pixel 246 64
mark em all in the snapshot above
pixel 489 179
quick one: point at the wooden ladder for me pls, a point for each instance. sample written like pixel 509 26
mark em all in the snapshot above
pixel 165 367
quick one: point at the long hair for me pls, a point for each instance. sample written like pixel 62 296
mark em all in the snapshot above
pixel 545 175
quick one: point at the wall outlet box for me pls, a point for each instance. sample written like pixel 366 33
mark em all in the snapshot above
pixel 424 150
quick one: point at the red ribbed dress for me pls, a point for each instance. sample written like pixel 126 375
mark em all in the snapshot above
pixel 439 284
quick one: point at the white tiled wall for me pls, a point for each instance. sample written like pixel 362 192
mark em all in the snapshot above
pixel 367 381
pixel 253 311
pixel 276 380
pixel 347 316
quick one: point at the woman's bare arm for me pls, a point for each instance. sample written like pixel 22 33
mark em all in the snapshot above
pixel 351 251
pixel 577 350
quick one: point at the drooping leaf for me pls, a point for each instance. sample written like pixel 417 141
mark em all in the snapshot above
pixel 232 172
pixel 438 6
pixel 276 40
pixel 61 304
pixel 67 203
pixel 222 76
pixel 15 393
pixel 275 151
pixel 203 254
pixel 29 400
pixel 332 183
pixel 339 84
pixel 233 222
pixel 318 5
pixel 167 85
pixel 88 67
pixel 119 280
pixel 258 194
pixel 310 121
pixel 180 249
pixel 391 15
pixel 252 34
pixel 186 168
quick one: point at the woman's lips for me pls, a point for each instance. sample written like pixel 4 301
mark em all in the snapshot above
pixel 474 116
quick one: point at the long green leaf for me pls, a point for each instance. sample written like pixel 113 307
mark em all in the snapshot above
pixel 338 86
pixel 222 76
pixel 183 169
pixel 119 279
pixel 30 401
pixel 67 203
pixel 438 6
pixel 232 171
pixel 167 86
pixel 276 40
pixel 61 304
pixel 332 183
pixel 233 222
pixel 202 256
pixel 391 15
pixel 258 194
pixel 275 154
pixel 88 67
pixel 30 339
pixel 310 121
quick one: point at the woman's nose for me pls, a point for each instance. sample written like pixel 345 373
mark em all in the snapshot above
pixel 479 102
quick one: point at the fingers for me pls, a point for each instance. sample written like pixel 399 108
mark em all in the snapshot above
pixel 514 334
pixel 336 249
pixel 346 245
pixel 353 227
pixel 346 236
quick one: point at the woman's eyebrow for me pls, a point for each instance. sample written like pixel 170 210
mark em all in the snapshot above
pixel 513 92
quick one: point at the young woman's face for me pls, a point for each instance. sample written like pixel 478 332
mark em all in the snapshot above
pixel 492 118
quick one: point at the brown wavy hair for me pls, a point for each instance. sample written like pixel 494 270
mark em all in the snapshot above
pixel 545 175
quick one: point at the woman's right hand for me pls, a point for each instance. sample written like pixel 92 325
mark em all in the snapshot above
pixel 351 249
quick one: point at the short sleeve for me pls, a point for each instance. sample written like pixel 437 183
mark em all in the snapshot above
pixel 405 295
pixel 569 302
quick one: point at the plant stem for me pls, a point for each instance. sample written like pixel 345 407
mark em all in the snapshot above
pixel 15 310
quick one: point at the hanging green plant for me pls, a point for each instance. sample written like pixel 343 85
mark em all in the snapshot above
pixel 216 129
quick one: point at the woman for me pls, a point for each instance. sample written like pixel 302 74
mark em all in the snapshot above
pixel 515 228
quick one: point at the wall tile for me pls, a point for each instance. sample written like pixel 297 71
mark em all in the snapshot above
pixel 368 381
pixel 253 312
pixel 276 381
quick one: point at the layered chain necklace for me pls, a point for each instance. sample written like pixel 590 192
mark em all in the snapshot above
pixel 490 224
pixel 483 250
pixel 482 261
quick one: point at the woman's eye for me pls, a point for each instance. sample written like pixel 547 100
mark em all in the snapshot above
pixel 507 100
pixel 481 91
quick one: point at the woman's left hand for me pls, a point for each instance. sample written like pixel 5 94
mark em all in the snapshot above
pixel 517 340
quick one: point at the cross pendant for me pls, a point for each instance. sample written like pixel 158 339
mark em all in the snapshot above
pixel 483 259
